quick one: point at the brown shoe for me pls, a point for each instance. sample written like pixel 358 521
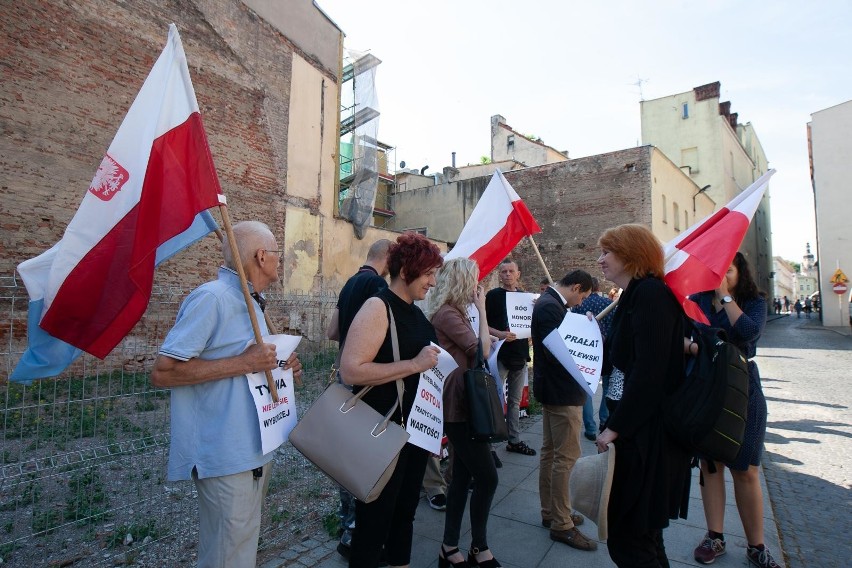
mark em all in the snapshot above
pixel 573 538
pixel 575 518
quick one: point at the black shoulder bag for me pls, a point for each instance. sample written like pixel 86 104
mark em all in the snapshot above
pixel 486 421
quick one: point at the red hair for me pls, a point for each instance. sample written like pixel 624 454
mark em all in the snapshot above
pixel 413 253
pixel 637 247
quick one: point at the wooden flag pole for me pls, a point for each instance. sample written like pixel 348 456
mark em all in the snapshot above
pixel 235 254
pixel 607 309
pixel 541 260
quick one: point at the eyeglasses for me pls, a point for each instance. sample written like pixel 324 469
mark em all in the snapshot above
pixel 277 252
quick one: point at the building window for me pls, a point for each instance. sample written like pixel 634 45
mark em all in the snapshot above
pixel 684 110
pixel 665 212
pixel 676 216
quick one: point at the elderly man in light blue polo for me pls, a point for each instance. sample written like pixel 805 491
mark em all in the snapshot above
pixel 215 437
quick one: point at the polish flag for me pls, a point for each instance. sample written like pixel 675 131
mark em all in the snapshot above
pixel 144 204
pixel 498 222
pixel 698 258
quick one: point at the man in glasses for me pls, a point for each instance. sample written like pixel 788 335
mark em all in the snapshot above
pixel 215 440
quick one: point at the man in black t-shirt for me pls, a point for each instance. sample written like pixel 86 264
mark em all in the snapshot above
pixel 366 283
pixel 514 354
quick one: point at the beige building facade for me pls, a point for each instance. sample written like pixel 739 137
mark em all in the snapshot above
pixel 703 137
pixel 784 279
pixel 830 150
pixel 509 144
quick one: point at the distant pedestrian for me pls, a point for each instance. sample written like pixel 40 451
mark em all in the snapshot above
pixel 786 304
pixel 798 307
pixel 809 306
pixel 777 304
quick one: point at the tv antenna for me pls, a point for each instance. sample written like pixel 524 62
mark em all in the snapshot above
pixel 639 82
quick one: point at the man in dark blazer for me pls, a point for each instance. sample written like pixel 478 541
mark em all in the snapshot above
pixel 562 402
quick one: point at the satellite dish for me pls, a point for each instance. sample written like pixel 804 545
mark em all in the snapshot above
pixel 402 164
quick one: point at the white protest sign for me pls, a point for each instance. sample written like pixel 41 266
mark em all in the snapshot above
pixel 426 419
pixel 495 372
pixel 578 346
pixel 519 308
pixel 275 419
pixel 473 318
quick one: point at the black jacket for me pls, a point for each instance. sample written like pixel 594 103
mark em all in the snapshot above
pixel 552 384
pixel 651 480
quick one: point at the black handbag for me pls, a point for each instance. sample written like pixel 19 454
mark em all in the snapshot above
pixel 485 418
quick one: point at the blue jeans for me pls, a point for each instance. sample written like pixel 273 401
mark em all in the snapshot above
pixel 603 412
pixel 589 426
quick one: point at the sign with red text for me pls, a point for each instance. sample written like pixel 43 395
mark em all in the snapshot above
pixel 275 419
pixel 519 308
pixel 578 346
pixel 425 422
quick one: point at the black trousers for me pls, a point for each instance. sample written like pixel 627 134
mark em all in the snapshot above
pixel 470 460
pixel 389 520
pixel 643 550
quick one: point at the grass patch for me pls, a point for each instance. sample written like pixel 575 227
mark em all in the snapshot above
pixel 331 524
pixel 534 407
pixel 88 500
pixel 29 496
pixel 46 521
pixel 139 531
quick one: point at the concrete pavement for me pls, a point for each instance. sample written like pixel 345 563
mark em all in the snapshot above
pixel 805 370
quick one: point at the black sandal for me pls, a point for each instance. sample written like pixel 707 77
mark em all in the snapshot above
pixel 520 448
pixel 490 563
pixel 444 563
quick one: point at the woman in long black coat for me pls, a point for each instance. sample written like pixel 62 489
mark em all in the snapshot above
pixel 651 479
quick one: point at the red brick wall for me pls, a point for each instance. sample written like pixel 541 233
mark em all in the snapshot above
pixel 574 202
pixel 70 71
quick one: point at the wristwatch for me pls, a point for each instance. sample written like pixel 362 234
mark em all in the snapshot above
pixel 725 300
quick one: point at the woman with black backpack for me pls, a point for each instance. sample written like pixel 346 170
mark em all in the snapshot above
pixel 739 308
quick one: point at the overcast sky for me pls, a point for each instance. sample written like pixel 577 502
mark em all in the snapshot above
pixel 566 71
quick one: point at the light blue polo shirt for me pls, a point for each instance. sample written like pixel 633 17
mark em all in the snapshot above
pixel 214 424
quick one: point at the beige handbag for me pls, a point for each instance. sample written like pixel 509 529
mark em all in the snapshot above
pixel 348 440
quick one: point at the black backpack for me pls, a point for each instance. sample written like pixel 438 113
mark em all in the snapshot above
pixel 706 415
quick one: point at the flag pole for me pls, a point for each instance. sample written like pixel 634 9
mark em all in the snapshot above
pixel 541 260
pixel 235 254
pixel 269 325
pixel 607 309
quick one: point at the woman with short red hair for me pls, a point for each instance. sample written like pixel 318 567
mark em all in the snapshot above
pixel 651 479
pixel 368 359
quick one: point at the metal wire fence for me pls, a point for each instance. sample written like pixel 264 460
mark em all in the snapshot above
pixel 83 459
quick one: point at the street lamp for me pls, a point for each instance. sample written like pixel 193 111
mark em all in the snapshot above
pixel 702 190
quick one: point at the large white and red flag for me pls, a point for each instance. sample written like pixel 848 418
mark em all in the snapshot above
pixel 146 202
pixel 698 258
pixel 498 222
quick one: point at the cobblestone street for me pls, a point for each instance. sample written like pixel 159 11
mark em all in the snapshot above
pixel 805 371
